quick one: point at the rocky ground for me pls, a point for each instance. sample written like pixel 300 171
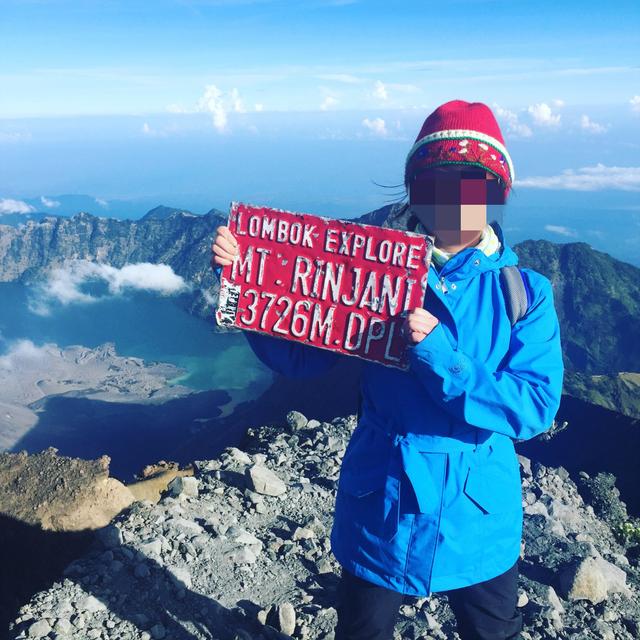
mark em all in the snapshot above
pixel 241 550
pixel 59 493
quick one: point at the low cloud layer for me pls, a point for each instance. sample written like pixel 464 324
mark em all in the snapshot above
pixel 563 231
pixel 20 352
pixel 596 178
pixel 543 115
pixel 49 202
pixel 8 205
pixel 376 126
pixel 219 104
pixel 64 284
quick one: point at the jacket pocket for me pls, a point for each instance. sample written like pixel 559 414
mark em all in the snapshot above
pixel 360 484
pixel 361 498
pixel 493 483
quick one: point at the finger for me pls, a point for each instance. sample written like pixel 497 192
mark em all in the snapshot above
pixel 221 232
pixel 218 260
pixel 410 334
pixel 226 233
pixel 418 325
pixel 223 253
pixel 412 321
pixel 421 312
pixel 223 243
pixel 421 322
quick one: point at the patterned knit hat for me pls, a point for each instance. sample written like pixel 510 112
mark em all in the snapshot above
pixel 460 132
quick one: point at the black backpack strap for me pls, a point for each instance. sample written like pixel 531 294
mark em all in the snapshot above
pixel 516 294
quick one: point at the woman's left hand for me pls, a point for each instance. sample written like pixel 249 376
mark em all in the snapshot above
pixel 418 324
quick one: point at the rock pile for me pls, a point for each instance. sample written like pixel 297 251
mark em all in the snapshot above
pixel 241 551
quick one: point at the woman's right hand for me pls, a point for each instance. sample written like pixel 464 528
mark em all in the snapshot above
pixel 224 247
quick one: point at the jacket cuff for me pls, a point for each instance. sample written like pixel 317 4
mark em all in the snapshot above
pixel 436 351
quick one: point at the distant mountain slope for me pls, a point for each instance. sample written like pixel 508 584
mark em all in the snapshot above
pixel 163 213
pixel 179 239
pixel 597 297
pixel 16 219
pixel 598 303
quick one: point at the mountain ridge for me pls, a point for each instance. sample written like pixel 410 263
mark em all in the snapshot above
pixel 597 297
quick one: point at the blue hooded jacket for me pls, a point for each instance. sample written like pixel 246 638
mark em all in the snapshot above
pixel 429 495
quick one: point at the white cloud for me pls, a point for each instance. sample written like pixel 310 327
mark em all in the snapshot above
pixel 258 106
pixel 563 231
pixel 142 275
pixel 219 104
pixel 558 102
pixel 592 127
pixel 19 352
pixel 596 178
pixel 47 202
pixel 379 91
pixel 147 130
pixel 635 104
pixel 376 126
pixel 515 128
pixel 542 115
pixel 328 102
pixel 102 202
pixel 236 102
pixel 177 108
pixel 211 101
pixel 64 284
pixel 7 205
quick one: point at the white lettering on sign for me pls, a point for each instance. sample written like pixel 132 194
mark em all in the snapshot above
pixel 353 317
pixel 377 291
pixel 243 265
pixel 320 326
pixel 265 227
pixel 300 276
pixel 355 245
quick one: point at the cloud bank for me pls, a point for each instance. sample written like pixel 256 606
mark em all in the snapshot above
pixel 64 284
pixel 20 352
pixel 8 205
pixel 595 178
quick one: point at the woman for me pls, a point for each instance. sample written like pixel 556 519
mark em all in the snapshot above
pixel 429 496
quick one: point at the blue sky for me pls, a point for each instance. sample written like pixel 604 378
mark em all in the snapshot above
pixel 195 103
pixel 62 57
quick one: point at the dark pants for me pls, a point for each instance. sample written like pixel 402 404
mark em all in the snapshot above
pixel 484 611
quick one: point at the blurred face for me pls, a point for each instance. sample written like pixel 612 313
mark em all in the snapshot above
pixel 451 201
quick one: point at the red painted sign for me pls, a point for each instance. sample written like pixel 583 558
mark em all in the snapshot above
pixel 328 283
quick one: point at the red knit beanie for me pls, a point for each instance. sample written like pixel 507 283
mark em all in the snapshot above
pixel 460 132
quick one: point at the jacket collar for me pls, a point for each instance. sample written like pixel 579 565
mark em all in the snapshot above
pixel 463 264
